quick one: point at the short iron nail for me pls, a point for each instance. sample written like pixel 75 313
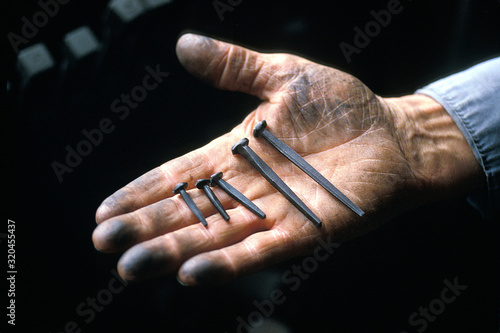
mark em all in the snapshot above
pixel 216 179
pixel 204 184
pixel 261 131
pixel 242 148
pixel 181 189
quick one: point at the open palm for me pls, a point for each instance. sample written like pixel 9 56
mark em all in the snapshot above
pixel 329 117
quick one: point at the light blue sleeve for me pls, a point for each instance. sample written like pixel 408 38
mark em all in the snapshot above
pixel 472 98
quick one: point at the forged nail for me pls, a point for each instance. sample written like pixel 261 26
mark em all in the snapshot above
pixel 261 131
pixel 204 184
pixel 242 148
pixel 181 189
pixel 216 179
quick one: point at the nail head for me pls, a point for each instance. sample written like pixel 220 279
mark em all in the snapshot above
pixel 200 183
pixel 215 177
pixel 179 187
pixel 259 128
pixel 236 148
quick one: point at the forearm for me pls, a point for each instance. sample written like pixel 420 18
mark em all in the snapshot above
pixel 441 158
pixel 449 122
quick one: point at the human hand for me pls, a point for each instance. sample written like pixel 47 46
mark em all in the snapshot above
pixel 388 155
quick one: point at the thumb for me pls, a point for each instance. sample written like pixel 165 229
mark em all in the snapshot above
pixel 228 66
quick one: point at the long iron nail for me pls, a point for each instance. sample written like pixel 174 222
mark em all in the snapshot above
pixel 204 184
pixel 295 158
pixel 242 148
pixel 216 179
pixel 181 189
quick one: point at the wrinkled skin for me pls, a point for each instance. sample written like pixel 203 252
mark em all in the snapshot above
pixel 352 136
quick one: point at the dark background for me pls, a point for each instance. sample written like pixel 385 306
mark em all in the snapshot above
pixel 371 284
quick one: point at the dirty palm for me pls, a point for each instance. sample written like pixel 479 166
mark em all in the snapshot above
pixel 336 123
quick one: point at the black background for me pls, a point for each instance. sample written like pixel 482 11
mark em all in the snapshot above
pixel 371 284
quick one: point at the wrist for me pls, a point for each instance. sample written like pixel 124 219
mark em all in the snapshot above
pixel 438 153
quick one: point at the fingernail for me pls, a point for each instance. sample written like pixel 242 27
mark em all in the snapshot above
pixel 201 271
pixel 101 213
pixel 189 37
pixel 137 263
pixel 114 235
pixel 181 282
